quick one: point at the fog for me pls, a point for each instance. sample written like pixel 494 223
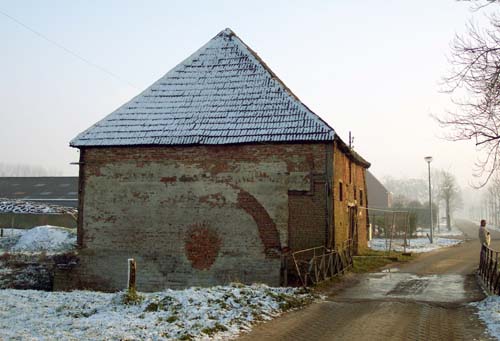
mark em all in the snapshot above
pixel 372 68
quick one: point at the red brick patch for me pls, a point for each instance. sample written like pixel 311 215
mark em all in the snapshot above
pixel 168 179
pixel 214 200
pixel 202 246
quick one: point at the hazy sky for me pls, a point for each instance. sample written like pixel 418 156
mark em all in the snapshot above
pixel 370 67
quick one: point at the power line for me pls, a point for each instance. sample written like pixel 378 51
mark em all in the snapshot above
pixel 65 49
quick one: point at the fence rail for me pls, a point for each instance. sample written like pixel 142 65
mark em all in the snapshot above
pixel 488 269
pixel 319 263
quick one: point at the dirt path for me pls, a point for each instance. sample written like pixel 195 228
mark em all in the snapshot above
pixel 424 300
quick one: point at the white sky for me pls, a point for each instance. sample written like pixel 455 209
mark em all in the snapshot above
pixel 372 67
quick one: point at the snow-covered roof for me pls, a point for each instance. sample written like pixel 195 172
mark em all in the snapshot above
pixel 222 94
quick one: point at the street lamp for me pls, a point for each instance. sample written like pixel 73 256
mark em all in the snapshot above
pixel 428 159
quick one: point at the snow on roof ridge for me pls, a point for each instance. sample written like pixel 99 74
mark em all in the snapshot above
pixel 262 94
pixel 260 61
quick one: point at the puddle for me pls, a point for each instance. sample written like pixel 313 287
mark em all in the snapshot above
pixel 394 284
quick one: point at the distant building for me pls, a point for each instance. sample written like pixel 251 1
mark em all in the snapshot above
pixel 378 196
pixel 55 190
pixel 213 174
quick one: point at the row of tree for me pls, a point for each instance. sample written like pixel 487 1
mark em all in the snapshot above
pixel 413 195
pixel 8 169
pixel 489 208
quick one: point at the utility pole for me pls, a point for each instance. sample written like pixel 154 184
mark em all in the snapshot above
pixel 428 159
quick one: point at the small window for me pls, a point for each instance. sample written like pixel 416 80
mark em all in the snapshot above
pixel 341 191
pixel 361 197
pixel 355 194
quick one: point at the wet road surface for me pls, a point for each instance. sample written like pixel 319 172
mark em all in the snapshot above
pixel 423 300
pixel 404 287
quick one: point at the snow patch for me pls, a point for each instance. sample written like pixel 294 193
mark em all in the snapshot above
pixel 46 238
pixel 442 232
pixel 417 245
pixel 489 313
pixel 20 206
pixel 196 313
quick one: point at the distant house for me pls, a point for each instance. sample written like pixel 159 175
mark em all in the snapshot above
pixel 211 175
pixel 55 190
pixel 378 196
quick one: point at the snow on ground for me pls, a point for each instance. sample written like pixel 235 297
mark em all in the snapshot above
pixel 417 245
pixel 51 239
pixel 10 238
pixel 442 231
pixel 489 313
pixel 196 313
pixel 494 228
pixel 20 206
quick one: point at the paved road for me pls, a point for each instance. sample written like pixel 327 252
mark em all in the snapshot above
pixel 424 300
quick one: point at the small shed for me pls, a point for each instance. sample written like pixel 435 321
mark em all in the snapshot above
pixel 211 175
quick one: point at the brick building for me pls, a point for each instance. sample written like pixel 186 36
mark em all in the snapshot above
pixel 209 176
pixel 378 196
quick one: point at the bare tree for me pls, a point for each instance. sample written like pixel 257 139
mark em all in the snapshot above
pixel 407 189
pixel 474 83
pixel 491 201
pixel 449 192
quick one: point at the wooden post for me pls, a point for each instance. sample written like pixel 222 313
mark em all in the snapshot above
pixel 132 268
pixel 392 232
pixel 284 269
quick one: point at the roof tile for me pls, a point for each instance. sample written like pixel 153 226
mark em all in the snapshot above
pixel 223 93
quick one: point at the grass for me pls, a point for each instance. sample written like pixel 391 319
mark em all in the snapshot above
pixel 215 329
pixel 371 260
pixel 131 297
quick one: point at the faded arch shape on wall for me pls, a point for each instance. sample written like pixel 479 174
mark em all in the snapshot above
pixel 268 232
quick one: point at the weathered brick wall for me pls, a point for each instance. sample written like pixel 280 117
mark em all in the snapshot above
pixel 308 218
pixel 352 177
pixel 197 215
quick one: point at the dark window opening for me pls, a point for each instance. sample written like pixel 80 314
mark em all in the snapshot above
pixel 341 191
pixel 361 197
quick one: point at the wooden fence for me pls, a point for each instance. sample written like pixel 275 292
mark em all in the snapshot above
pixel 488 269
pixel 319 263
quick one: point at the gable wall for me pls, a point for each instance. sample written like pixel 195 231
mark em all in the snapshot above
pixel 199 215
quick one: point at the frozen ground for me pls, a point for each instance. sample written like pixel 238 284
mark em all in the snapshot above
pixel 416 245
pixel 442 231
pixel 489 312
pixel 196 313
pixel 47 238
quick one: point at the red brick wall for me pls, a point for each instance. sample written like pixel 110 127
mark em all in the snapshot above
pixel 352 177
pixel 308 218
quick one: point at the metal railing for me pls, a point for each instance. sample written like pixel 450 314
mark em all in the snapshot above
pixel 488 269
pixel 318 264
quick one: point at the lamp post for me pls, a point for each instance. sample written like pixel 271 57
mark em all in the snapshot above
pixel 428 159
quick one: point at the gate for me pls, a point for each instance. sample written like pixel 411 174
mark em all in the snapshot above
pixel 318 264
pixel 488 269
